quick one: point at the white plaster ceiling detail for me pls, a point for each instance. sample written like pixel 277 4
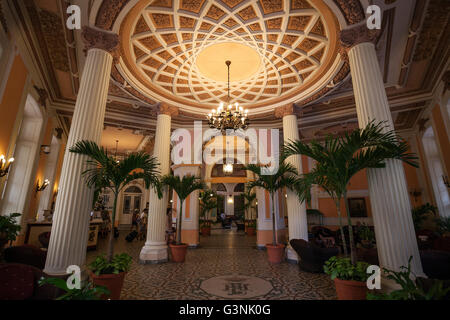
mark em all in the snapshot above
pixel 167 41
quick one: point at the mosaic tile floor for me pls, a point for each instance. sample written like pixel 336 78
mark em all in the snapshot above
pixel 226 265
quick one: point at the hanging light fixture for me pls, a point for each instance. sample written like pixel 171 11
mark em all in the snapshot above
pixel 4 166
pixel 233 117
pixel 228 168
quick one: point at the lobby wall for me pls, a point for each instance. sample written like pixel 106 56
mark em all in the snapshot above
pixel 11 104
pixel 40 172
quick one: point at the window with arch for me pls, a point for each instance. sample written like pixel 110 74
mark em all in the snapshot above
pixel 240 187
pixel 133 189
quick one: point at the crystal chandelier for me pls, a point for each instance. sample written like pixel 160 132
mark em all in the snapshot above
pixel 233 117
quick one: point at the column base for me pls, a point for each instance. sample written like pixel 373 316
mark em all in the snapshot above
pixel 291 255
pixel 57 273
pixel 153 253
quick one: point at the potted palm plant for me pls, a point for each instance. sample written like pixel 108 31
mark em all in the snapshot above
pixel 183 187
pixel 284 177
pixel 249 199
pixel 9 229
pixel 104 171
pixel 338 159
pixel 208 202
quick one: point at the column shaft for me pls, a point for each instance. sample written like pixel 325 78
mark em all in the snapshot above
pixel 155 248
pixel 391 208
pixel 69 233
pixel 298 226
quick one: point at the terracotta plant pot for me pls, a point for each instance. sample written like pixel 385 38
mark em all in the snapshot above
pixel 250 231
pixel 206 231
pixel 350 289
pixel 113 282
pixel 178 252
pixel 275 253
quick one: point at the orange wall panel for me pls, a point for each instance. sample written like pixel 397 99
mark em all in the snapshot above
pixel 10 104
pixel 359 181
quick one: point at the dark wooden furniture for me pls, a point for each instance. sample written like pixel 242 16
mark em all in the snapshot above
pixel 312 257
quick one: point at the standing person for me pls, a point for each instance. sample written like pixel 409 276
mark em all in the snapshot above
pixel 170 232
pixel 142 222
pixel 134 220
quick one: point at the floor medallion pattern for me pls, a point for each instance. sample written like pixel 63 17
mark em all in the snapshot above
pixel 226 265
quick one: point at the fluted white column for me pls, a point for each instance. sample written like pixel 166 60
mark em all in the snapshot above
pixel 155 248
pixel 391 208
pixel 297 223
pixel 51 167
pixel 69 233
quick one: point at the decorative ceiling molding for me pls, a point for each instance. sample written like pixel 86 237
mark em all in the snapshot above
pixel 95 39
pixel 160 45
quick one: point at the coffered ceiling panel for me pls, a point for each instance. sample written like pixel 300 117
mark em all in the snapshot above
pixel 178 49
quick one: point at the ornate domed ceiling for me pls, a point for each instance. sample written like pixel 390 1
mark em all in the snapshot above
pixel 281 51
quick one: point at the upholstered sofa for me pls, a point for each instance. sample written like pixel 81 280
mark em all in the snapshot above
pixel 26 254
pixel 20 282
pixel 312 256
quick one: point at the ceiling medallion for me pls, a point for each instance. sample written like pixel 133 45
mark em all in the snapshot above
pixel 232 118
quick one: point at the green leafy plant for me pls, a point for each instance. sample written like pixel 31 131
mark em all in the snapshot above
pixel 410 289
pixel 421 213
pixel 339 159
pixel 208 202
pixel 249 203
pixel 284 177
pixel 86 292
pixel 365 233
pixel 251 224
pixel 9 228
pixel 343 269
pixel 104 171
pixel 119 263
pixel 183 187
pixel 443 224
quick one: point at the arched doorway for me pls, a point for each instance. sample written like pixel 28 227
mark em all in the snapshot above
pixel 131 200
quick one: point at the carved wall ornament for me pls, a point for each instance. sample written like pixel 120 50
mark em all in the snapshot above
pixel 352 10
pixel 109 12
pixel 43 96
pixel 96 39
pixel 353 36
pixel 286 110
pixel 167 109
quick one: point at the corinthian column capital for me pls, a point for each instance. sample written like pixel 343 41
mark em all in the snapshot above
pixel 167 109
pixel 353 36
pixel 96 39
pixel 286 110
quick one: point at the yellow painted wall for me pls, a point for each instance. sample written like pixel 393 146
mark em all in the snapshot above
pixel 10 104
